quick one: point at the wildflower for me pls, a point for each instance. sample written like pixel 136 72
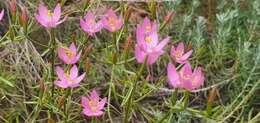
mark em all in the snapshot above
pixel 47 18
pixel 69 55
pixel 111 22
pixel 68 79
pixel 89 24
pixel 147 43
pixel 93 105
pixel 2 14
pixel 178 53
pixel 185 78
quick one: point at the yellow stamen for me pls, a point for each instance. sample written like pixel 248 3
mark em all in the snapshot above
pixel 112 23
pixel 50 13
pixel 148 39
pixel 93 105
pixel 69 53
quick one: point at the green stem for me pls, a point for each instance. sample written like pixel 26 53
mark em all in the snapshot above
pixel 53 47
pixel 186 98
pixel 129 102
pixel 67 103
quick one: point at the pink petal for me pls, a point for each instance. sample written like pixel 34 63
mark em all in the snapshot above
pixel 41 21
pixel 112 14
pixel 43 10
pixel 89 113
pixel 73 48
pixel 80 78
pixel 146 23
pixel 84 102
pixel 74 72
pixel 60 73
pixel 63 56
pixel 83 25
pixel 152 57
pixel 173 75
pixel 74 85
pixel 198 78
pixel 61 21
pixel 139 54
pixel 94 95
pixel 78 56
pixel 57 13
pixel 186 56
pixel 186 70
pixel 161 45
pixel 61 84
pixel 2 14
pixel 180 47
pixel 89 15
pixel 102 103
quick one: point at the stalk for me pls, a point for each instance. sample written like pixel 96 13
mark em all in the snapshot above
pixel 53 47
pixel 67 103
pixel 129 102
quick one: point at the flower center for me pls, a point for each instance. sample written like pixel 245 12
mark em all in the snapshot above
pixel 67 74
pixel 50 14
pixel 93 105
pixel 178 53
pixel 90 21
pixel 186 77
pixel 70 53
pixel 112 23
pixel 148 39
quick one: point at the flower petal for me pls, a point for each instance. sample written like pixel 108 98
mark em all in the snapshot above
pixel 102 103
pixel 62 84
pixel 60 73
pixel 173 76
pixel 73 72
pixel 139 54
pixel 57 13
pixel 180 47
pixel 161 45
pixel 2 14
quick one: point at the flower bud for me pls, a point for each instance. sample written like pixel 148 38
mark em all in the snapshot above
pixel 89 48
pixel 24 18
pixel 128 42
pixel 61 101
pixel 189 46
pixel 169 16
pixel 88 66
pixel 12 5
pixel 42 88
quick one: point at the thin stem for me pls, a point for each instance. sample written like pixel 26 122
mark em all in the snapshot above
pixel 67 103
pixel 186 98
pixel 129 102
pixel 53 47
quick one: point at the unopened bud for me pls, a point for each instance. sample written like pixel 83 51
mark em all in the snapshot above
pixel 24 18
pixel 12 5
pixel 42 88
pixel 128 13
pixel 61 101
pixel 89 48
pixel 189 46
pixel 88 66
pixel 169 17
pixel 128 42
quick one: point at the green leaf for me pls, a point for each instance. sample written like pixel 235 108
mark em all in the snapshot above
pixel 6 81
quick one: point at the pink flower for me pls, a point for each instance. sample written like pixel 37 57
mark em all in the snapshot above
pixel 68 79
pixel 178 53
pixel 69 55
pixel 185 78
pixel 2 14
pixel 147 43
pixel 93 105
pixel 89 24
pixel 47 18
pixel 111 22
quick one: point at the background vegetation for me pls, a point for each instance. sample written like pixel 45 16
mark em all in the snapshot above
pixel 224 35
